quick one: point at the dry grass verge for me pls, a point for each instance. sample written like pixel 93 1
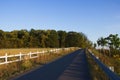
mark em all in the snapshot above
pixel 96 72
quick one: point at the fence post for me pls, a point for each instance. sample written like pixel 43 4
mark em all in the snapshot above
pixel 43 51
pixel 97 57
pixel 6 60
pixel 20 56
pixel 30 54
pixel 111 68
pixel 37 53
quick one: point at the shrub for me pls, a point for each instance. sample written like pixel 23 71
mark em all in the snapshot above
pixel 26 64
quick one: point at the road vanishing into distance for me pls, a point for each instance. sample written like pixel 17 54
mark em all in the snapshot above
pixel 70 67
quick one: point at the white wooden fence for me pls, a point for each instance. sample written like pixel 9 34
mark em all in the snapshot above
pixel 20 56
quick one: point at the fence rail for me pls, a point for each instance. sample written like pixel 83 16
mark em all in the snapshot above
pixel 20 56
pixel 106 69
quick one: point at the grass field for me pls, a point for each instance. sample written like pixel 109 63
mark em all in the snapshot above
pixel 22 50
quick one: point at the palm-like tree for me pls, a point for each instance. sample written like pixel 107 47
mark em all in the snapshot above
pixel 94 45
pixel 114 42
pixel 102 42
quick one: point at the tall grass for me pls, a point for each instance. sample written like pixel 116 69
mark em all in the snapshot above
pixel 96 72
pixel 109 61
pixel 22 50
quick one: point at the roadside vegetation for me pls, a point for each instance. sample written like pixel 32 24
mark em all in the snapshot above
pixel 109 61
pixel 96 72
pixel 108 52
pixel 112 54
pixel 112 42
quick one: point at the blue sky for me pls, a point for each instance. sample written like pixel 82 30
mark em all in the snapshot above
pixel 95 18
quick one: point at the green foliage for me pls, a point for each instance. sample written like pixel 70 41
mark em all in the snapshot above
pixel 112 41
pixel 77 40
pixel 94 45
pixel 62 36
pixel 52 40
pixel 102 41
pixel 42 39
pixel 27 64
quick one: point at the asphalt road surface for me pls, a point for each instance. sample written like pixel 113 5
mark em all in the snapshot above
pixel 70 67
pixel 77 70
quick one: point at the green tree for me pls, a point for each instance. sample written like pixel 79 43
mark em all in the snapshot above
pixel 62 36
pixel 75 39
pixel 1 38
pixel 95 45
pixel 71 39
pixel 52 40
pixel 42 38
pixel 33 38
pixel 114 43
pixel 102 42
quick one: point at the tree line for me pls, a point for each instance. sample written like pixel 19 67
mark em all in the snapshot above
pixel 42 39
pixel 112 42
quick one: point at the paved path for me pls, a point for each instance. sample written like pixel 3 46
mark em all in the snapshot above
pixel 69 67
pixel 77 70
